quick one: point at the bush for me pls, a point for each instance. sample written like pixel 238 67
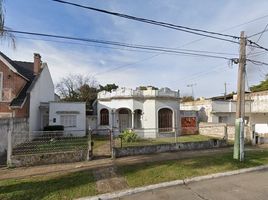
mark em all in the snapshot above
pixel 54 128
pixel 129 136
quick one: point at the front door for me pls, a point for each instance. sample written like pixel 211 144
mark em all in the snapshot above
pixel 123 122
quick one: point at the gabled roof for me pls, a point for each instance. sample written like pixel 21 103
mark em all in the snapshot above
pixel 25 70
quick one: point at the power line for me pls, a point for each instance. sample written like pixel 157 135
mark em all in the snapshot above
pixel 143 47
pixel 125 49
pixel 159 23
pixel 256 62
pixel 256 45
pixel 265 30
pixel 191 42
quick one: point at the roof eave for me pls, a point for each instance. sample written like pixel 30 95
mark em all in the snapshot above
pixel 11 67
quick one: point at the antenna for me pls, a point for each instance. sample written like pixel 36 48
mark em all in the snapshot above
pixel 192 86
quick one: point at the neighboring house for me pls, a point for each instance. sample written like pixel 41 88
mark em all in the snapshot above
pixel 148 112
pixel 27 90
pixel 222 109
pixel 72 115
pixel 23 85
pixel 216 109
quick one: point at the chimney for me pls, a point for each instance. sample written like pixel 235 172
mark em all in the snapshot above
pixel 37 63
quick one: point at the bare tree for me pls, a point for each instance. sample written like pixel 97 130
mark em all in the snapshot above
pixel 78 87
pixel 4 31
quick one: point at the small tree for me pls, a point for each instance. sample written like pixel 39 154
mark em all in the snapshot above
pixel 260 87
pixel 108 87
pixel 187 98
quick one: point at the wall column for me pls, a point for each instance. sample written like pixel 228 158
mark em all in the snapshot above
pixel 132 119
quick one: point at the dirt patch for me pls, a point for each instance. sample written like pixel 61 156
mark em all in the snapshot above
pixel 102 151
pixel 107 180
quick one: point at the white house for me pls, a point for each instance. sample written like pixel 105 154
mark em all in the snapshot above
pixel 223 109
pixel 148 112
pixel 69 114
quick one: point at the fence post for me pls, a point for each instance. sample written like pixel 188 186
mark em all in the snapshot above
pixel 9 143
pixel 226 132
pixel 89 148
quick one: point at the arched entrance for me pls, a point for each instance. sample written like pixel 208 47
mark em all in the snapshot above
pixel 165 120
pixel 124 119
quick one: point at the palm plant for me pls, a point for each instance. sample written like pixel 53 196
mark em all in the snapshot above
pixel 4 31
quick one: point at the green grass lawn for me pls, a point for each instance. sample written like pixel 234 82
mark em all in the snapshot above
pixel 79 184
pixel 165 140
pixel 68 186
pixel 152 173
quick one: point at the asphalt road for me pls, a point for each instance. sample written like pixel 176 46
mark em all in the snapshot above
pixel 249 186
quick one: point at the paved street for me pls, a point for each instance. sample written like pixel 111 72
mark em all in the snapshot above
pixel 247 186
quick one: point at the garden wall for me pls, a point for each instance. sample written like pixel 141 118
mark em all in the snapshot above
pixel 19 125
pixel 48 158
pixel 221 130
pixel 150 149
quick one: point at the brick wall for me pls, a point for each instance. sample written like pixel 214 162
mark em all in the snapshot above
pixel 12 85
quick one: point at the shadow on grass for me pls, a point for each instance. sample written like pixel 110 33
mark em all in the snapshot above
pixel 68 186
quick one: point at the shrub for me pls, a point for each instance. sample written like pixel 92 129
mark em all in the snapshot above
pixel 129 136
pixel 54 128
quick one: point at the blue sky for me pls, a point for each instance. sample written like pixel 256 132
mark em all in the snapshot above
pixel 139 68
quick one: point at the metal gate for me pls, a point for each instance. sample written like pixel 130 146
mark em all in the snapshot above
pixel 102 143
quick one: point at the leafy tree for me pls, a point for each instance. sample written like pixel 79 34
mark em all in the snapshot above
pixel 260 87
pixel 4 34
pixel 108 87
pixel 187 98
pixel 145 87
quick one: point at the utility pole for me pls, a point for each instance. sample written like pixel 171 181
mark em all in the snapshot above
pixel 240 105
pixel 225 90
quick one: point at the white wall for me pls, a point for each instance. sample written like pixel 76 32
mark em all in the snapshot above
pixel 56 109
pixel 42 91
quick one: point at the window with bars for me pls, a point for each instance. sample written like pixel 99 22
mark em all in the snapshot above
pixel 165 120
pixel 68 120
pixel 104 117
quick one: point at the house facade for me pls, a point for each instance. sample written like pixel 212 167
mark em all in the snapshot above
pixel 23 86
pixel 71 115
pixel 223 110
pixel 149 112
pixel 27 90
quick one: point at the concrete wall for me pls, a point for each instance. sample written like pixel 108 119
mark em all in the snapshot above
pixel 221 130
pixel 20 125
pixel 43 91
pixel 56 109
pixel 140 150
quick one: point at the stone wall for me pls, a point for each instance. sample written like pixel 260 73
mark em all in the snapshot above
pixel 48 158
pixel 150 149
pixel 221 130
pixel 20 126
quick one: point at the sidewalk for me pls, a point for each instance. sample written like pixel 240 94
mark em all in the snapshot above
pixel 64 168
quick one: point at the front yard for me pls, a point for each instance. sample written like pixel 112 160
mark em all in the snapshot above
pixel 162 140
pixel 51 145
pixel 78 184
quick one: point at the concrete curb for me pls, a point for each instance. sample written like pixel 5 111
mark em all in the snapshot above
pixel 122 193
